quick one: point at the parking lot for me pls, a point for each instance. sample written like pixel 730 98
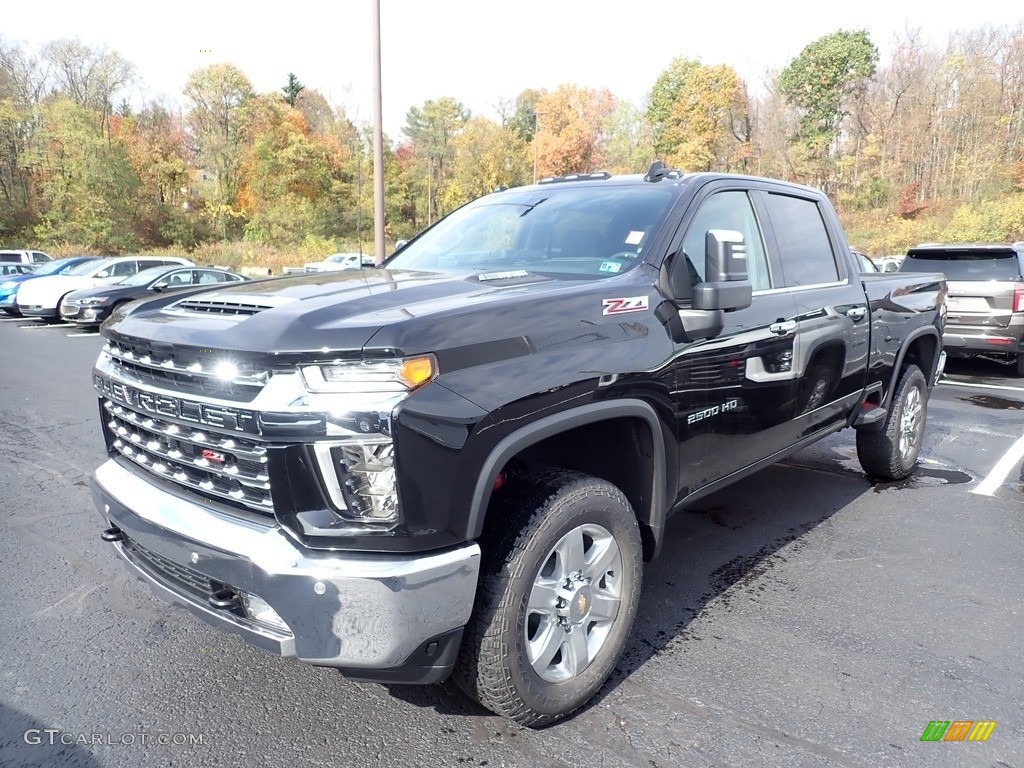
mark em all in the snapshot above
pixel 802 617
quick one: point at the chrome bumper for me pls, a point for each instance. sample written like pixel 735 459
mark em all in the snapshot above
pixel 351 610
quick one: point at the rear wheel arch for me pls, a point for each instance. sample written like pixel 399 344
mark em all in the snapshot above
pixel 643 479
pixel 921 348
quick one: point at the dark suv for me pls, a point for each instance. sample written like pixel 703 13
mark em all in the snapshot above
pixel 985 305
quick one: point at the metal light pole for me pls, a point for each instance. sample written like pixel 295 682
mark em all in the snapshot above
pixel 534 146
pixel 378 144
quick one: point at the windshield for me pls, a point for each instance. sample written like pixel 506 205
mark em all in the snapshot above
pixel 86 267
pixel 55 268
pixel 589 230
pixel 145 276
pixel 964 264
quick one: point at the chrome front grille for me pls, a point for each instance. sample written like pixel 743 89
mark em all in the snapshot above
pixel 201 372
pixel 211 464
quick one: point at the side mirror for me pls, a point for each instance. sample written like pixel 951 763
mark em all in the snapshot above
pixel 400 245
pixel 158 287
pixel 726 285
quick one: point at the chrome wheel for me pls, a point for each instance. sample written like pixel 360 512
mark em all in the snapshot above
pixel 911 422
pixel 573 603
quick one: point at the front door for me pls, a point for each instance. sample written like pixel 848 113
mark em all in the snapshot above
pixel 735 394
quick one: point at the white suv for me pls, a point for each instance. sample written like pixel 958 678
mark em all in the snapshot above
pixel 41 297
pixel 24 257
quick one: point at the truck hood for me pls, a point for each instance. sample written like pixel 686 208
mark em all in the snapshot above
pixel 379 310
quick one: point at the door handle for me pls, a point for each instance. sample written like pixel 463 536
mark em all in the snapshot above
pixel 856 313
pixel 783 327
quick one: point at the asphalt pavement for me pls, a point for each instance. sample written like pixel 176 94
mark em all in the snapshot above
pixel 802 617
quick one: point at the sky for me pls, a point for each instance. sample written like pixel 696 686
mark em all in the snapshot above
pixel 481 53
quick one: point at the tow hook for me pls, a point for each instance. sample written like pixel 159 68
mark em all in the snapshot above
pixel 225 599
pixel 112 534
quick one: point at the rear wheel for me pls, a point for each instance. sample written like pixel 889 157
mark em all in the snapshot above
pixel 558 592
pixel 1018 365
pixel 892 452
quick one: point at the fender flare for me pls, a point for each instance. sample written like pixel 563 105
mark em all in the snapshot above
pixel 911 338
pixel 548 426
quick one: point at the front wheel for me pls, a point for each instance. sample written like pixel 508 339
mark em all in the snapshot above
pixel 559 588
pixel 891 453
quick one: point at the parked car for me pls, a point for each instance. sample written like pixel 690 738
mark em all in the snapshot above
pixel 339 261
pixel 889 263
pixel 10 268
pixel 985 305
pixel 459 463
pixel 41 298
pixel 24 257
pixel 866 264
pixel 89 307
pixel 9 285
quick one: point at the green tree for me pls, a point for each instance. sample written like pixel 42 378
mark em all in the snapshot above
pixel 523 118
pixel 292 89
pixel 821 83
pixel 432 130
pixel 663 97
pixel 89 76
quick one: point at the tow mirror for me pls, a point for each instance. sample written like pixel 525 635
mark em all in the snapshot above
pixel 726 285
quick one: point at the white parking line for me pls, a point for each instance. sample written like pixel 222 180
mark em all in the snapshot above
pixel 36 327
pixel 80 335
pixel 997 476
pixel 980 386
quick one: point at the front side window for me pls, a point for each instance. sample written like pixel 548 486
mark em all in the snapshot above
pixel 804 245
pixel 727 210
pixel 590 230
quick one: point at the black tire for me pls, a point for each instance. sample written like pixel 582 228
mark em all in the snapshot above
pixel 520 563
pixel 1018 365
pixel 891 453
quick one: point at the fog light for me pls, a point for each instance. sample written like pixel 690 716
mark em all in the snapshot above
pixel 257 609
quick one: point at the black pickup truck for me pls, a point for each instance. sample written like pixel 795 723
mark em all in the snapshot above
pixel 456 464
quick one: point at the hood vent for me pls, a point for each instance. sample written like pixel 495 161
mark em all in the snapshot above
pixel 228 305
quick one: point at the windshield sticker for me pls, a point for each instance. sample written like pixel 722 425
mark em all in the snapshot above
pixel 621 306
pixel 610 266
pixel 502 275
pixel 634 237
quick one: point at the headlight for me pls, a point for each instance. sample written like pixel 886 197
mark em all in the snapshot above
pixel 360 479
pixel 93 301
pixel 366 376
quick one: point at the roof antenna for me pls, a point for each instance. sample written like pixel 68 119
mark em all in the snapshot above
pixel 658 171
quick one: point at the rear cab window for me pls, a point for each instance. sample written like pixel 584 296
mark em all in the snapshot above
pixel 801 235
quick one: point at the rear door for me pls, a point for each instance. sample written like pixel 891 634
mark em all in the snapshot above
pixel 831 353
pixel 982 282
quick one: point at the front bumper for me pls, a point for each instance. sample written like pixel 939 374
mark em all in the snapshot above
pixel 35 310
pixel 376 616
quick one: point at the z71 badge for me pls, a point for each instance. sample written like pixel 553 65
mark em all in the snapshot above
pixel 621 306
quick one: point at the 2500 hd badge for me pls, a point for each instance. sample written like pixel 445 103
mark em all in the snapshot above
pixel 714 410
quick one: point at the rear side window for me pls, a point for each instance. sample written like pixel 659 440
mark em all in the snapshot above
pixel 804 245
pixel 10 257
pixel 965 264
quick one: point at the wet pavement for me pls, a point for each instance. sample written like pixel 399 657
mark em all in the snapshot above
pixel 803 617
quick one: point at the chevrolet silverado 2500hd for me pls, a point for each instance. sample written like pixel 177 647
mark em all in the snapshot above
pixel 458 462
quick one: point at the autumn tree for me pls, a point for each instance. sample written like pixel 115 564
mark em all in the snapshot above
pixel 86 182
pixel 215 96
pixel 572 130
pixel 706 124
pixel 487 156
